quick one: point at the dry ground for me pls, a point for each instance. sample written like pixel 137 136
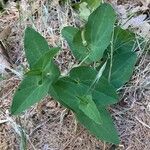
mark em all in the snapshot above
pixel 48 126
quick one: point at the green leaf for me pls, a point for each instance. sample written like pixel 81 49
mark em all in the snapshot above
pixel 80 49
pixel 43 72
pixel 98 30
pixel 124 58
pixel 88 107
pixel 66 91
pixel 34 87
pixel 92 4
pixel 68 33
pixel 122 68
pixel 84 11
pixel 73 96
pixel 103 93
pixel 104 131
pixel 31 90
pixel 124 40
pixel 92 41
pixel 35 46
pixel 75 42
pixel 45 58
pixel 83 74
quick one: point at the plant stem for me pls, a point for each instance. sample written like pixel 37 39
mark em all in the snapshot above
pixel 111 56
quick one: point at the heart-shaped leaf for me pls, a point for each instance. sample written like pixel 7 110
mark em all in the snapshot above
pixel 94 38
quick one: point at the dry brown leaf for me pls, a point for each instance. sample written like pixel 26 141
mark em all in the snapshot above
pixel 5 33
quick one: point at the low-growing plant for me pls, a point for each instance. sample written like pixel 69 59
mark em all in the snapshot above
pixel 107 59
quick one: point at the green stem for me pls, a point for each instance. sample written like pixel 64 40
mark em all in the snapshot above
pixel 111 56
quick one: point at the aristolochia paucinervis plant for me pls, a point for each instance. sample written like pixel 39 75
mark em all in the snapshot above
pixel 107 58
